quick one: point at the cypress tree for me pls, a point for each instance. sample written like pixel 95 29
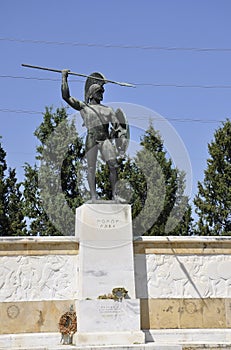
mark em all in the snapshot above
pixel 12 221
pixel 15 206
pixel 213 200
pixel 58 187
pixel 4 225
pixel 166 209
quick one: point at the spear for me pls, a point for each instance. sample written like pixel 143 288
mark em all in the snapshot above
pixel 78 74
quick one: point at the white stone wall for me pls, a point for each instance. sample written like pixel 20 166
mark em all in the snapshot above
pixel 55 277
pixel 31 278
pixel 183 276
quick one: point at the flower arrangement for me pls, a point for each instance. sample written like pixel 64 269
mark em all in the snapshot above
pixel 68 325
pixel 118 294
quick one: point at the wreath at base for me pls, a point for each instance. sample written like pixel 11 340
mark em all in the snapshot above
pixel 68 323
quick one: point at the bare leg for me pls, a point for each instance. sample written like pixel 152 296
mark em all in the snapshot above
pixel 113 165
pixel 113 176
pixel 91 163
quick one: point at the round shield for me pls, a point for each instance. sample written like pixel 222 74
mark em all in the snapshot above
pixel 123 135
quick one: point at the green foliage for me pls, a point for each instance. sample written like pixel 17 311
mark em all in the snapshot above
pixel 166 209
pixel 154 188
pixel 33 207
pixel 15 206
pixel 55 189
pixel 213 201
pixel 3 193
pixel 12 222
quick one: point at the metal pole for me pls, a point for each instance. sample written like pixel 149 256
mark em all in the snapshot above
pixel 77 74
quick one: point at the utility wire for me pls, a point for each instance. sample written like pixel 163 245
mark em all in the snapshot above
pixel 28 78
pixel 20 111
pixel 195 86
pixel 119 46
pixel 197 120
pixel 36 78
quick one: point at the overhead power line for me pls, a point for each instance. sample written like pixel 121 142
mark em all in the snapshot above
pixel 195 86
pixel 118 46
pixel 20 111
pixel 28 78
pixel 197 120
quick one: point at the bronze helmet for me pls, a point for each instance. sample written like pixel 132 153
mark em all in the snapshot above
pixel 94 78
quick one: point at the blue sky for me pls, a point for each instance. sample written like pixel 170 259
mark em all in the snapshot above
pixel 142 42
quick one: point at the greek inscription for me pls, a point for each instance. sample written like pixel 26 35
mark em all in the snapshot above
pixel 13 311
pixel 110 309
pixel 107 223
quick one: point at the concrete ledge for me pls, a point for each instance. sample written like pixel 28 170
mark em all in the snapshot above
pixel 30 340
pixel 189 336
pixel 155 340
pixel 142 245
pixel 14 246
pixel 51 341
pixel 182 245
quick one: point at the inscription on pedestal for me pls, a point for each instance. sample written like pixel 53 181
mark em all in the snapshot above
pixel 109 315
pixel 111 311
pixel 107 223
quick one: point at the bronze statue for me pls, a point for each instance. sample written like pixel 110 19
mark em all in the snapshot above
pixel 103 126
pixel 97 118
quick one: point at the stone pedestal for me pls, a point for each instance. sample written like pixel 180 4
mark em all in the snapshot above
pixel 106 262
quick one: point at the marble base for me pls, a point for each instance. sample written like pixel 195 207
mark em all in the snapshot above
pixel 106 258
pixel 106 261
pixel 108 338
pixel 108 315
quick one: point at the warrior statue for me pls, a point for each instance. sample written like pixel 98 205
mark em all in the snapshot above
pixel 103 126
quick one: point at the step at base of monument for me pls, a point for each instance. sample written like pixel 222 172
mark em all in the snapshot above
pixel 190 339
pixel 189 336
pixel 51 341
pixel 109 338
pixel 148 346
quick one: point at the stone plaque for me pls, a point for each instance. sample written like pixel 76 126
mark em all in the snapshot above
pixel 109 315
